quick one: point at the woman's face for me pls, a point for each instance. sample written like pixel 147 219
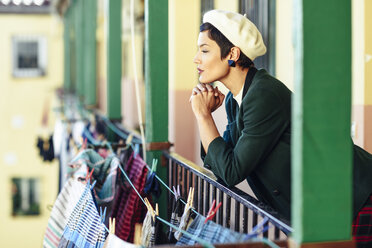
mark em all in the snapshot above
pixel 208 59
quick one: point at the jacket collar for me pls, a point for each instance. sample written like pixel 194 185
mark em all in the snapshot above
pixel 248 80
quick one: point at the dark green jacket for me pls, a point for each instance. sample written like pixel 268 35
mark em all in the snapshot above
pixel 256 145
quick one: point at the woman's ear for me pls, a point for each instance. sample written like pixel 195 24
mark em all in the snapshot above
pixel 235 53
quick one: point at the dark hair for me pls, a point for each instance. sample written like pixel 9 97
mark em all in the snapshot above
pixel 224 44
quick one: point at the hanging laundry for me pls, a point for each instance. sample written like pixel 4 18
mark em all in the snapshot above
pixel 84 227
pixel 187 218
pixel 61 211
pixel 45 147
pixel 146 230
pixel 176 215
pixel 106 192
pixel 210 232
pixel 152 185
pixel 127 209
pixel 113 241
pixel 188 214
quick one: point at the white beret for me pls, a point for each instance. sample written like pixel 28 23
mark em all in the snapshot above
pixel 240 31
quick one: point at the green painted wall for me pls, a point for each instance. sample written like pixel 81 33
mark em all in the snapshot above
pixel 321 145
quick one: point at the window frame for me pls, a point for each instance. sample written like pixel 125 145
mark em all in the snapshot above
pixel 41 69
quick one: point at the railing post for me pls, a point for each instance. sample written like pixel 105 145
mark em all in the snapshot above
pixel 321 144
pixel 156 82
pixel 113 58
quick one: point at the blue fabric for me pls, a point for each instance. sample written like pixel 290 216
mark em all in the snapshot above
pixel 210 232
pixel 152 185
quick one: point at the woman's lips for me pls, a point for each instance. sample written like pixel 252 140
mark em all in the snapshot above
pixel 200 71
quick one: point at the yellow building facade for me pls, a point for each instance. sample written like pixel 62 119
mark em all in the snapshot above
pixel 22 100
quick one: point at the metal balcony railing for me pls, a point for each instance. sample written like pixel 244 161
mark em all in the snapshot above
pixel 239 211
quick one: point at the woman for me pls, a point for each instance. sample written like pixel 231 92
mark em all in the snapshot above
pixel 256 143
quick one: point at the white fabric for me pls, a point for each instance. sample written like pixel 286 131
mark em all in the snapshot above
pixel 113 241
pixel 146 230
pixel 58 136
pixel 77 131
pixel 239 96
pixel 240 31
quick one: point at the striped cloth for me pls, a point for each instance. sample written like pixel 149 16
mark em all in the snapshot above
pixel 175 220
pixel 61 211
pixel 146 230
pixel 113 241
pixel 362 226
pixel 84 227
pixel 210 232
pixel 128 208
pixel 185 222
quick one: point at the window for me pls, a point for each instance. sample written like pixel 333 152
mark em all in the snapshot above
pixel 205 5
pixel 29 56
pixel 262 14
pixel 25 196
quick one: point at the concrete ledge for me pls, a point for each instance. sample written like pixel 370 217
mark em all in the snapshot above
pixel 328 244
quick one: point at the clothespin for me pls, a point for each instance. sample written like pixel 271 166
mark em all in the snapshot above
pixel 89 174
pixel 118 151
pixel 177 192
pixel 102 214
pixel 112 225
pixel 259 228
pixel 138 234
pixel 128 142
pixel 150 209
pixel 190 198
pixel 84 146
pixel 154 165
pixel 212 211
pixel 93 184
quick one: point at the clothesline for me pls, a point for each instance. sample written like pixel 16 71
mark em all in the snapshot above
pixel 125 136
pixel 200 241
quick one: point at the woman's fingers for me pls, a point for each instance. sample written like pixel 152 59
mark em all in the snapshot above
pixel 201 87
pixel 209 87
pixel 195 91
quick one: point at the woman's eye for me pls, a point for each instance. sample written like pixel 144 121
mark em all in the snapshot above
pixel 204 51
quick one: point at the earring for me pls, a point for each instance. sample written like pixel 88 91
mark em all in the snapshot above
pixel 231 63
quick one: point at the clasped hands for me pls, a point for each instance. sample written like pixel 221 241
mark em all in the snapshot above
pixel 205 99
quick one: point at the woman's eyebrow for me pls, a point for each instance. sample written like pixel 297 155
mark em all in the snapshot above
pixel 204 44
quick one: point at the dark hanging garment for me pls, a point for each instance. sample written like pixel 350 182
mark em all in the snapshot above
pixel 152 185
pixel 46 148
pixel 177 211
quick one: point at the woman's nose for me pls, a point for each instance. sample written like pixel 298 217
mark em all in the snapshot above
pixel 196 59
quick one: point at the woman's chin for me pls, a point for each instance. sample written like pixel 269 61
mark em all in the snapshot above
pixel 205 80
